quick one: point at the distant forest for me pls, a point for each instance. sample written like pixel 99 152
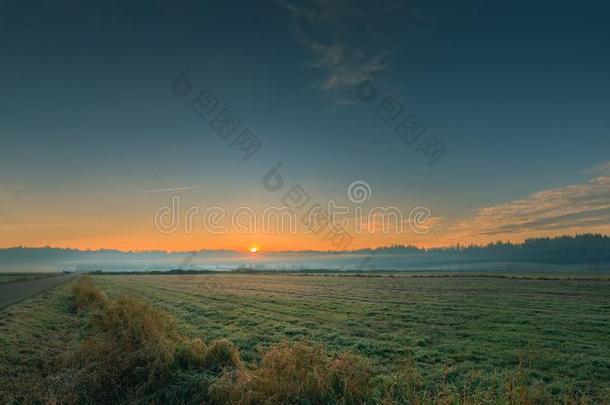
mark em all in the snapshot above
pixel 586 248
pixel 578 249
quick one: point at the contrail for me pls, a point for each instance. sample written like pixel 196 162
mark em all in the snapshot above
pixel 162 190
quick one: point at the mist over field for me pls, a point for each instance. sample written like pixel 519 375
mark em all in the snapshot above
pixel 585 252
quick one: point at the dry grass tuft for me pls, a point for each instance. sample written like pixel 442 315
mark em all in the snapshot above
pixel 221 355
pixel 86 295
pixel 351 377
pixel 130 351
pixel 191 353
pixel 297 373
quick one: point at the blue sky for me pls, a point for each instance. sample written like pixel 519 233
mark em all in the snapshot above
pixel 516 92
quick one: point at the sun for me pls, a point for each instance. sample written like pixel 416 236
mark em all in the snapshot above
pixel 253 249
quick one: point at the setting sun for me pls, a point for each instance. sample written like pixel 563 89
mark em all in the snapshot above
pixel 253 249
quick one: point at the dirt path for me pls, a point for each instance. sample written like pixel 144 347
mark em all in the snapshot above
pixel 12 293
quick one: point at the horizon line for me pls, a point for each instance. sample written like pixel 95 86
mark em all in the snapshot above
pixel 508 242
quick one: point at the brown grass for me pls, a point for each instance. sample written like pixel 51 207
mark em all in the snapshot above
pixel 130 351
pixel 191 353
pixel 221 355
pixel 86 295
pixel 297 373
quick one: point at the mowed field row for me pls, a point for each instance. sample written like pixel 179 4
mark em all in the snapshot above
pixel 458 329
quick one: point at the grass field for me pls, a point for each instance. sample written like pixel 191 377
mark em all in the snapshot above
pixel 33 334
pixel 462 328
pixel 464 332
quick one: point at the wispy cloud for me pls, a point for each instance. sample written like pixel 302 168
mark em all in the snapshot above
pixel 602 169
pixel 165 190
pixel 343 63
pixel 573 208
pixel 344 69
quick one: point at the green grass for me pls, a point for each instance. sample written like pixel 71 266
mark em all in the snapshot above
pixel 462 330
pixel 467 333
pixel 33 334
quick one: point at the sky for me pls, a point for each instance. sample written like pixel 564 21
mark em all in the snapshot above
pixel 504 107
